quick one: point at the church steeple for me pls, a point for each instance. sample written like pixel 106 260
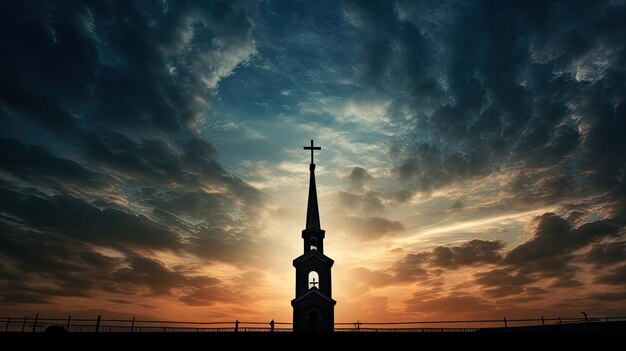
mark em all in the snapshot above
pixel 313 307
pixel 312 211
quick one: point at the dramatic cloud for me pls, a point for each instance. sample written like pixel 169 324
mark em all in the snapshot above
pixel 73 269
pixel 519 88
pixel 617 276
pixel 370 228
pixel 472 156
pixel 35 164
pixel 77 219
pixel 554 236
pixel 472 252
pixel 501 282
pixel 526 101
pixel 102 158
pixel 424 265
pixel 358 177
pixel 606 254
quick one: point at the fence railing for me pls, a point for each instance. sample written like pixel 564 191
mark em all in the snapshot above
pixel 99 325
pixel 469 325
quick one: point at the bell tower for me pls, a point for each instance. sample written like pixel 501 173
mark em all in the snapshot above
pixel 313 307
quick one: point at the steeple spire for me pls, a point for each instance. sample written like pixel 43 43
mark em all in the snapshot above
pixel 313 307
pixel 312 212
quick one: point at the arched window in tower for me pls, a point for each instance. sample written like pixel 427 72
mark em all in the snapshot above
pixel 314 280
pixel 313 243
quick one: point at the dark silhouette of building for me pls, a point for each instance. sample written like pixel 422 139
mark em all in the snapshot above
pixel 313 307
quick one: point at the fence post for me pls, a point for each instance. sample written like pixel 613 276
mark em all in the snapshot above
pixel 67 326
pixel 132 325
pixel 6 329
pixel 272 325
pixel 505 324
pixel 35 324
pixel 543 323
pixel 24 324
pixel 98 324
pixel 237 326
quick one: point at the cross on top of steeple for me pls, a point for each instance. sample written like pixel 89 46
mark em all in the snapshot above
pixel 312 213
pixel 312 148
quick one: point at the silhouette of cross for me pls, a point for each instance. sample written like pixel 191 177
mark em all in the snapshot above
pixel 312 148
pixel 314 283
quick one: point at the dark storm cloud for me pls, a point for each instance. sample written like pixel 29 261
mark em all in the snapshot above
pixel 68 267
pixel 148 160
pixel 609 296
pixel 146 274
pixel 157 164
pixel 607 254
pixel 73 268
pixel 151 162
pixel 411 268
pixel 543 188
pixel 189 162
pixel 519 88
pixel 140 67
pixel 83 221
pixel 538 148
pixel 50 62
pixel 120 72
pixel 212 207
pixel 36 164
pixel 109 225
pixel 219 243
pixel 422 266
pixel 103 102
pixel 473 252
pixel 370 228
pixel 503 282
pixel 549 254
pixel 358 177
pixel 431 167
pixel 554 236
pixel 470 253
pixel 616 276
pixel 531 89
pixel 27 252
pixel 102 106
pixel 362 210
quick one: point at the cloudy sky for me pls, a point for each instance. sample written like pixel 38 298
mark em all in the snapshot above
pixel 473 158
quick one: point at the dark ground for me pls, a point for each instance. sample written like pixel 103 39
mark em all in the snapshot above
pixel 608 340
